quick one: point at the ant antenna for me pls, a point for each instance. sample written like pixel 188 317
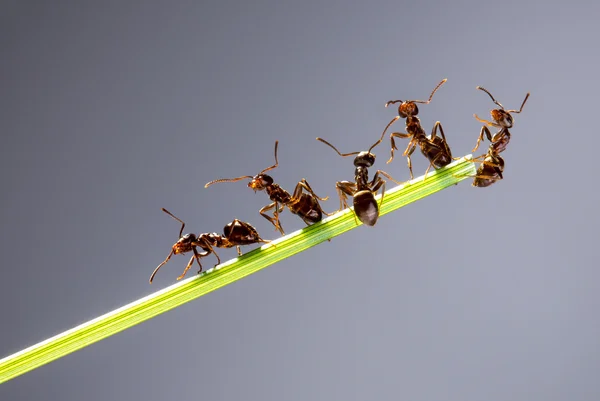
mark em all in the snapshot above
pixel 498 103
pixel 522 104
pixel 176 218
pixel 334 148
pixel 384 131
pixel 208 184
pixel 159 266
pixel 492 97
pixel 432 93
pixel 276 162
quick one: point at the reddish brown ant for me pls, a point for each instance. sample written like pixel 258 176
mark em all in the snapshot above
pixel 236 233
pixel 306 205
pixel 434 148
pixel 362 191
pixel 502 120
pixel 490 170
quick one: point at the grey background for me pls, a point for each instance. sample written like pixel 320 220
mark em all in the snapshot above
pixel 111 110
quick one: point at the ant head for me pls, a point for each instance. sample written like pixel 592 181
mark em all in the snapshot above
pixel 185 243
pixel 502 117
pixel 364 159
pixel 260 182
pixel 408 109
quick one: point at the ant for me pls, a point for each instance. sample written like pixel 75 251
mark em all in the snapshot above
pixel 362 191
pixel 305 205
pixel 236 233
pixel 434 148
pixel 502 120
pixel 490 170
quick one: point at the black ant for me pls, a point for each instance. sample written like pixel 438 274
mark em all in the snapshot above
pixel 362 191
pixel 502 120
pixel 236 233
pixel 434 148
pixel 305 205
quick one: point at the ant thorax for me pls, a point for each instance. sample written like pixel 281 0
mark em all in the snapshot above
pixel 413 126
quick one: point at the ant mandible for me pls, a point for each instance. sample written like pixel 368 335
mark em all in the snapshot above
pixel 434 148
pixel 304 204
pixel 362 191
pixel 236 233
pixel 502 120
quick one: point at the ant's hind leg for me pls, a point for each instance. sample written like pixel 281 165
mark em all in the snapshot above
pixel 303 184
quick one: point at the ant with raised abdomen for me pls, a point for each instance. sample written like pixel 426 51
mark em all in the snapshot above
pixel 434 148
pixel 502 120
pixel 304 204
pixel 362 191
pixel 236 233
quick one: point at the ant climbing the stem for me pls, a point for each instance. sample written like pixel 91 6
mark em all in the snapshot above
pixel 434 148
pixel 303 202
pixel 362 191
pixel 502 120
pixel 236 233
pixel 490 169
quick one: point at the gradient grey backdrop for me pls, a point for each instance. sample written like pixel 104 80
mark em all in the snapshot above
pixel 111 110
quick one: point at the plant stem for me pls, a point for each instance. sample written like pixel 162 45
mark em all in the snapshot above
pixel 226 273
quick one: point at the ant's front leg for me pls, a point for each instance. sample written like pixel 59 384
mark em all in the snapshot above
pixel 195 256
pixel 410 149
pixel 275 219
pixel 488 134
pixel 490 123
pixel 393 142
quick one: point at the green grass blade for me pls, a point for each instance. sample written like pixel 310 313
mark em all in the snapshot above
pixel 226 273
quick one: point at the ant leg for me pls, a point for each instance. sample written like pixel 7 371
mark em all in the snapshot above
pixel 189 265
pixel 386 175
pixel 490 123
pixel 239 250
pixel 393 142
pixel 304 184
pixel 436 126
pixel 378 183
pixel 488 134
pixel 345 188
pixel 275 219
pixel 408 154
pixel 159 266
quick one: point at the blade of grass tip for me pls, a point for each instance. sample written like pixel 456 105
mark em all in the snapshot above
pixel 226 273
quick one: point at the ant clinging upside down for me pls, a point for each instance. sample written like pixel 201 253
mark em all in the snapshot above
pixel 304 204
pixel 362 191
pixel 502 120
pixel 236 233
pixel 434 148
